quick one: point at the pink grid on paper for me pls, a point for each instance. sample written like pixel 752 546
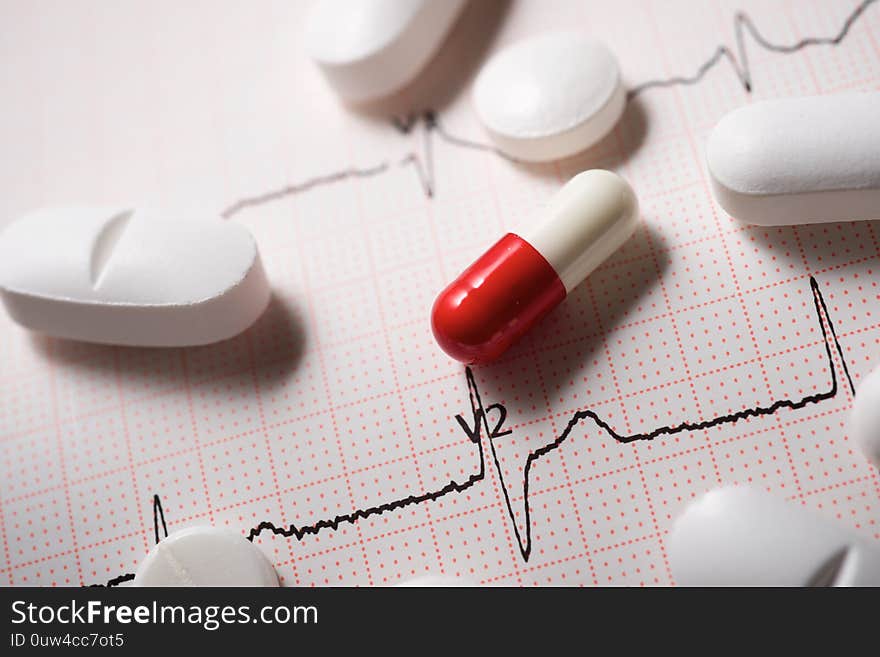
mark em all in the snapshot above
pixel 337 399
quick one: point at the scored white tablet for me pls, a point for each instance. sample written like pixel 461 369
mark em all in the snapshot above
pixel 131 277
pixel 205 556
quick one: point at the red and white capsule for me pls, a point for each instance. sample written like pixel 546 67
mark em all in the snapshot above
pixel 526 274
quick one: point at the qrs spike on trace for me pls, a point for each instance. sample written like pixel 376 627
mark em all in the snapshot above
pixel 487 422
pixel 423 163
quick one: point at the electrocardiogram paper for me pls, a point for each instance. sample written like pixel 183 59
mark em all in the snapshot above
pixel 334 433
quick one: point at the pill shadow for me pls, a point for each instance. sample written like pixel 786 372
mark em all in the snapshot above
pixel 266 354
pixel 450 71
pixel 619 292
pixel 788 250
pixel 631 130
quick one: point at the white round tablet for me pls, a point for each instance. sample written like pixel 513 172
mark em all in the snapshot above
pixel 549 96
pixel 205 556
pixel 866 416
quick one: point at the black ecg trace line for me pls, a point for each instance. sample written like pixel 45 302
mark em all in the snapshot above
pixel 311 183
pixel 740 60
pixel 481 424
pixel 158 517
pixel 116 581
pixel 424 163
pixel 424 167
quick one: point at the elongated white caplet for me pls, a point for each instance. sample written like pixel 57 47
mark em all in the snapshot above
pixel 739 536
pixel 865 418
pixel 799 160
pixel 131 277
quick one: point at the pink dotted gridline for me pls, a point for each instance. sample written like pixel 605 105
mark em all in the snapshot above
pixel 338 398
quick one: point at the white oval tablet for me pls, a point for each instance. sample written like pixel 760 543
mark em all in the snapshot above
pixel 549 96
pixel 205 556
pixel 799 160
pixel 437 581
pixel 739 536
pixel 866 416
pixel 131 277
pixel 371 48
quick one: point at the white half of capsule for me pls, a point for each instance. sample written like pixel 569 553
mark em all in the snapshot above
pixel 549 96
pixel 738 536
pixel 585 222
pixel 131 277
pixel 205 556
pixel 865 418
pixel 371 48
pixel 799 160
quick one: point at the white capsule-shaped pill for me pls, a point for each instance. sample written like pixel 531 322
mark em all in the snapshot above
pixel 549 96
pixel 371 48
pixel 205 556
pixel 799 160
pixel 739 536
pixel 437 581
pixel 131 277
pixel 865 419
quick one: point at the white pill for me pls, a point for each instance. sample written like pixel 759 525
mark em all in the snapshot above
pixel 131 277
pixel 437 581
pixel 865 417
pixel 549 96
pixel 800 160
pixel 739 536
pixel 524 275
pixel 205 556
pixel 371 48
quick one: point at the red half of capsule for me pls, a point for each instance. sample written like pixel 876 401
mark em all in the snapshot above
pixel 495 301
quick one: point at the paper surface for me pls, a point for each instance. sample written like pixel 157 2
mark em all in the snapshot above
pixel 699 355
